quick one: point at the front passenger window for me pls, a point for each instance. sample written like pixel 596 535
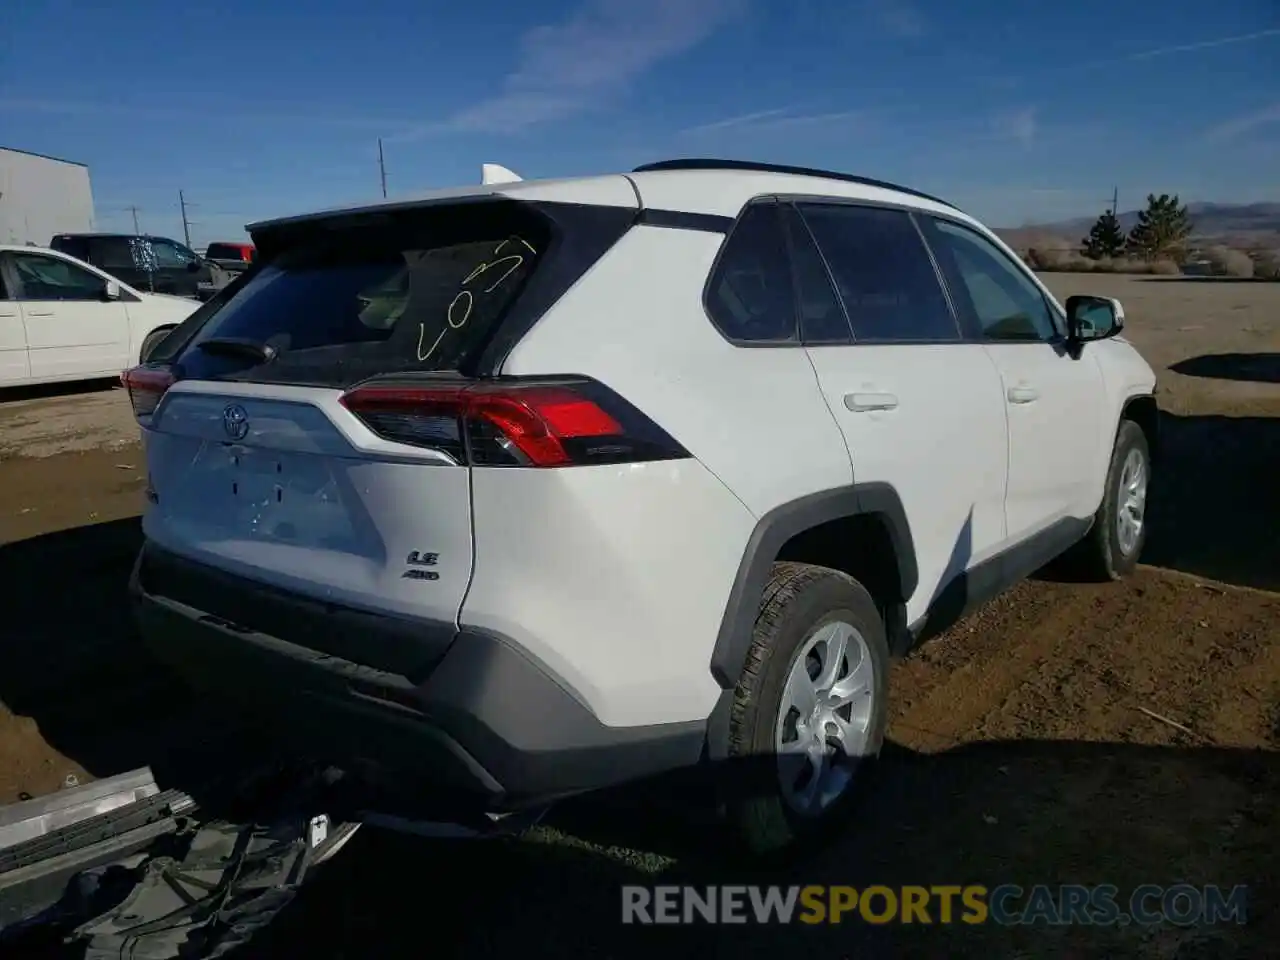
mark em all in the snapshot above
pixel 42 277
pixel 168 256
pixel 1006 304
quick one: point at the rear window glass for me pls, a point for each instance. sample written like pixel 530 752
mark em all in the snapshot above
pixel 411 293
pixel 76 247
pixel 225 251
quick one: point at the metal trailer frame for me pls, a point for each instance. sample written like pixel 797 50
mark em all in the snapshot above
pixel 126 868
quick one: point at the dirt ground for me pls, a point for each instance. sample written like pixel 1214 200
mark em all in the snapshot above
pixel 1123 733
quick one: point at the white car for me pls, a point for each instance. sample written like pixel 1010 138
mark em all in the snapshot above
pixel 532 488
pixel 62 319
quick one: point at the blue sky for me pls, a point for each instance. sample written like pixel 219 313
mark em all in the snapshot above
pixel 1020 112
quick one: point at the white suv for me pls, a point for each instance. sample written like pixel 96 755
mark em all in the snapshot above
pixel 541 486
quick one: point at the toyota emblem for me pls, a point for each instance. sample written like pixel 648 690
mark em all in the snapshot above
pixel 235 421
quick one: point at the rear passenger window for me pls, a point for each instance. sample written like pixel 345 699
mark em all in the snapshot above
pixel 883 273
pixel 113 253
pixel 752 297
pixel 822 319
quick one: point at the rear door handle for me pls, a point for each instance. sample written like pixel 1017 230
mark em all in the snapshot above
pixel 1023 394
pixel 38 313
pixel 863 402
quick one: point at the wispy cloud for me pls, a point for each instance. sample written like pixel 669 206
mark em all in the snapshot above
pixel 1021 125
pixel 1173 49
pixel 744 120
pixel 1008 81
pixel 1237 127
pixel 781 118
pixel 1204 44
pixel 566 68
pixel 899 17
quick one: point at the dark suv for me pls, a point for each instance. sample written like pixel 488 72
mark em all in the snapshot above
pixel 154 264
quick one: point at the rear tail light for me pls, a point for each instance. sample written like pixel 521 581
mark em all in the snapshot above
pixel 523 423
pixel 146 385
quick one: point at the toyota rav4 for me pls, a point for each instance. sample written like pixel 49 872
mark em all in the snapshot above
pixel 538 487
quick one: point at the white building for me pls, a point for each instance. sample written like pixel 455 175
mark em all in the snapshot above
pixel 41 196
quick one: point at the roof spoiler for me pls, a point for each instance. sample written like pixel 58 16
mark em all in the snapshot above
pixel 496 173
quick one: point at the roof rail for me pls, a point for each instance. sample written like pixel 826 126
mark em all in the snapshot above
pixel 707 164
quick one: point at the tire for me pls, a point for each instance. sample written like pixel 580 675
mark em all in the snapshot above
pixel 151 341
pixel 799 603
pixel 1104 554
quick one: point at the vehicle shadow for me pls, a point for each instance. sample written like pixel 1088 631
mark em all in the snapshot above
pixel 1034 812
pixel 1250 367
pixel 1214 511
pixel 73 663
pixel 45 391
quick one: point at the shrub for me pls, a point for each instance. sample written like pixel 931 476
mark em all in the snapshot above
pixel 1229 263
pixel 1051 260
pixel 1266 264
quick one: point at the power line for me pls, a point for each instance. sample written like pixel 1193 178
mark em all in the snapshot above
pixel 134 211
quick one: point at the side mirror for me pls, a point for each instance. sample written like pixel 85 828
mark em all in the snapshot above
pixel 1093 318
pixel 111 291
pixel 194 266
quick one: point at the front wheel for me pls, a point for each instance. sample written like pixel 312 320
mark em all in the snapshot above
pixel 1114 544
pixel 810 710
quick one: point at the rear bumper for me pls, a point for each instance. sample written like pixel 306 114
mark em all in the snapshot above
pixel 486 724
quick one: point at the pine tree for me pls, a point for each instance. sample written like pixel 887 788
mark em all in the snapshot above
pixel 1162 229
pixel 1105 239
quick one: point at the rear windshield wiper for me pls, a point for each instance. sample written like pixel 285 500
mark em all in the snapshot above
pixel 238 347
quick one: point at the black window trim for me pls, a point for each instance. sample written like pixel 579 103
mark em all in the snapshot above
pixel 969 330
pixel 976 331
pixel 965 335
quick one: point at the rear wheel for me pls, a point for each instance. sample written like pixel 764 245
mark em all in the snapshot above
pixel 153 340
pixel 809 712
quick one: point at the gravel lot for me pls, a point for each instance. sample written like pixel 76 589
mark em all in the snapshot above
pixel 1024 748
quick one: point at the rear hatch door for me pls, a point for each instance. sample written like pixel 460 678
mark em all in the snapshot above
pixel 255 464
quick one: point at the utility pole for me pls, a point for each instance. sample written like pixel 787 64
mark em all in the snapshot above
pixel 1115 201
pixel 134 211
pixel 382 169
pixel 186 224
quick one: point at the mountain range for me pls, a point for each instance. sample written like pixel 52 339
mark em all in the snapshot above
pixel 1246 225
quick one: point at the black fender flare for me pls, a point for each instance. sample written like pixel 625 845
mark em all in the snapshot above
pixel 1144 410
pixel 778 526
